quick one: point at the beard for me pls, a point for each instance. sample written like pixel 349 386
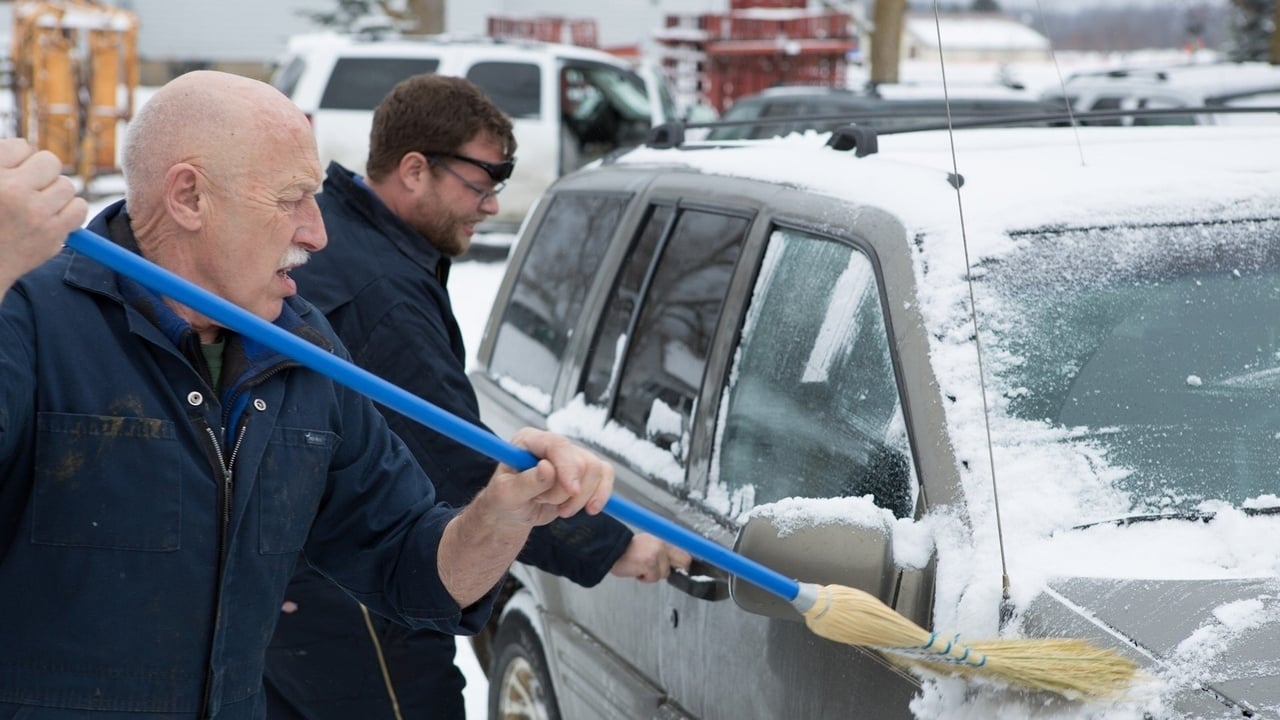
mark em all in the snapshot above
pixel 443 227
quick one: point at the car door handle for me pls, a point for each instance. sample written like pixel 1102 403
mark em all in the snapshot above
pixel 701 580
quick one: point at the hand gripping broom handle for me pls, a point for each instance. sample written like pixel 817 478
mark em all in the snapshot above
pixel 362 381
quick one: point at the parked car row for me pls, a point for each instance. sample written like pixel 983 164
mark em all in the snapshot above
pixel 1047 354
pixel 787 109
pixel 1232 92
pixel 1219 86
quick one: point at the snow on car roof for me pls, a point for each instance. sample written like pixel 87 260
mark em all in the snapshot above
pixel 1023 178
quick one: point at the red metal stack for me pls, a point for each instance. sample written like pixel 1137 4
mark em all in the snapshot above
pixel 720 57
pixel 581 32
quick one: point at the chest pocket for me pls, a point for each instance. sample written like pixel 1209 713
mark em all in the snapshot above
pixel 106 482
pixel 291 481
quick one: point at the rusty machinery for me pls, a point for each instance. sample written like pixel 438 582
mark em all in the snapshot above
pixel 75 69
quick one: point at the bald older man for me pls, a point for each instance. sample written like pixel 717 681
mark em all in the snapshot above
pixel 160 474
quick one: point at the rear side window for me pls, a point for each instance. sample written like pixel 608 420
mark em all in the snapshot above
pixel 514 87
pixel 361 83
pixel 647 361
pixel 564 255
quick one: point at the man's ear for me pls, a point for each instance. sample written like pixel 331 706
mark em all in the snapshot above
pixel 413 171
pixel 182 196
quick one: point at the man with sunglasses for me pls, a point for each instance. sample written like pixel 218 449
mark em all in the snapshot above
pixel 439 154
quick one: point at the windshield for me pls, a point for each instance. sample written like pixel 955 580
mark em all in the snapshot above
pixel 1158 345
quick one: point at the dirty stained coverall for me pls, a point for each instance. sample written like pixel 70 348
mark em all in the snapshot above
pixel 383 287
pixel 141 568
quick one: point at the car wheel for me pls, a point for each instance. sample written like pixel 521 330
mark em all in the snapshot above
pixel 519 684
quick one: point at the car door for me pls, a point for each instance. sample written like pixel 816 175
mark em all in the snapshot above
pixel 808 407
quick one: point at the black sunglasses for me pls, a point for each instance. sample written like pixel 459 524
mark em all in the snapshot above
pixel 497 172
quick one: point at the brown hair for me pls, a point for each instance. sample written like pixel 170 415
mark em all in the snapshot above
pixel 432 113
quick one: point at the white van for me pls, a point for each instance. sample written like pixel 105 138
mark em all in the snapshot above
pixel 569 105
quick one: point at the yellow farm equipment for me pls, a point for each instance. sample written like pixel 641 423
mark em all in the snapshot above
pixel 75 69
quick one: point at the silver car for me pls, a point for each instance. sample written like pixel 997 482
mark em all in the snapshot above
pixel 1015 382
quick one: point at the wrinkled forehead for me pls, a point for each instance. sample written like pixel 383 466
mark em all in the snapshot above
pixel 280 154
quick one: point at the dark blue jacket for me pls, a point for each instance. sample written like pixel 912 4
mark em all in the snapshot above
pixel 137 572
pixel 383 287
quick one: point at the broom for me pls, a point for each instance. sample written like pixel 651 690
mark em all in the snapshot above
pixel 1072 668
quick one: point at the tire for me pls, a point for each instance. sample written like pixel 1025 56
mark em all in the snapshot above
pixel 519 684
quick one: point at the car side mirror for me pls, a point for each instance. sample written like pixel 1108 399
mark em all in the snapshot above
pixel 841 553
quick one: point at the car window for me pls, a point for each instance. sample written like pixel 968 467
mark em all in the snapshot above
pixel 557 272
pixel 811 408
pixel 739 111
pixel 286 76
pixel 602 368
pixel 661 319
pixel 1153 103
pixel 1166 358
pixel 514 87
pixel 361 83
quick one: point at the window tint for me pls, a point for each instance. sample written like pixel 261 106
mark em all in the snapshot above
pixel 562 261
pixel 811 408
pixel 361 83
pixel 1106 103
pixel 514 87
pixel 602 367
pixel 670 338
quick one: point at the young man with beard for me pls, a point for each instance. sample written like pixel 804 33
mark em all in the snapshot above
pixel 439 153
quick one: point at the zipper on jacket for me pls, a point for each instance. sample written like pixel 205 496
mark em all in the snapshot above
pixel 225 464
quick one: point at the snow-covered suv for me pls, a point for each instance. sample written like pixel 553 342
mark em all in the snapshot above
pixel 1219 85
pixel 569 105
pixel 1047 355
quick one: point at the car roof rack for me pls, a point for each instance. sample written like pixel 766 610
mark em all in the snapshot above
pixel 674 134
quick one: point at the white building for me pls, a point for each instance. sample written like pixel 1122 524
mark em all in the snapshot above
pixel 971 37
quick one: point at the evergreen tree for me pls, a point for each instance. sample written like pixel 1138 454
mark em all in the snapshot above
pixel 1251 29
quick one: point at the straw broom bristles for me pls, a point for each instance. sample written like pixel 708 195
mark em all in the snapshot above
pixel 1072 668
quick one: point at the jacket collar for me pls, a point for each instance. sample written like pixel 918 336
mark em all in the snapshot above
pixel 246 359
pixel 352 190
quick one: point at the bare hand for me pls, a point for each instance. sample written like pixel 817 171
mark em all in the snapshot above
pixel 39 207
pixel 482 541
pixel 566 480
pixel 649 559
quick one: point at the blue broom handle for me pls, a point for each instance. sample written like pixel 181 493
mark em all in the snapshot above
pixel 366 383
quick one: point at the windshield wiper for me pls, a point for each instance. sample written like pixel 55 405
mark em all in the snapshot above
pixel 1199 515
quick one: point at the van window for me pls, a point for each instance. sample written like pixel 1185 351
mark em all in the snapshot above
pixel 514 87
pixel 671 318
pixel 811 409
pixel 563 258
pixel 361 83
pixel 602 108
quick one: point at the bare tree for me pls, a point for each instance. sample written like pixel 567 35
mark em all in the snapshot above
pixel 886 40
